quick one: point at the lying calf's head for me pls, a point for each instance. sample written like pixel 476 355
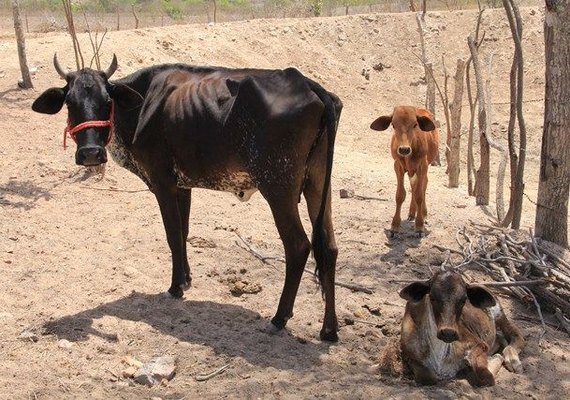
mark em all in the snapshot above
pixel 448 293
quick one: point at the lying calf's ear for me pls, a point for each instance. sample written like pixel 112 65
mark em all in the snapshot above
pixel 415 291
pixel 480 297
pixel 381 123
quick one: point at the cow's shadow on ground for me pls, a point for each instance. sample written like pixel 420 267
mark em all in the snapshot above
pixel 28 191
pixel 226 328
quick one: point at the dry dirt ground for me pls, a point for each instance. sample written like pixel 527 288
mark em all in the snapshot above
pixel 86 260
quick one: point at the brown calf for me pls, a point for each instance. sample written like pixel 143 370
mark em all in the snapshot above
pixel 450 328
pixel 414 146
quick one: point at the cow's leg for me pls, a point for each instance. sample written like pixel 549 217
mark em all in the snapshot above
pixel 413 207
pixel 478 361
pixel 515 340
pixel 327 265
pixel 297 248
pixel 184 201
pixel 170 201
pixel 419 198
pixel 400 197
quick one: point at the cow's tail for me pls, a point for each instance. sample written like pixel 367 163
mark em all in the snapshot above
pixel 333 106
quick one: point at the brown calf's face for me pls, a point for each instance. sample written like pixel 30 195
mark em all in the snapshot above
pixel 448 293
pixel 406 124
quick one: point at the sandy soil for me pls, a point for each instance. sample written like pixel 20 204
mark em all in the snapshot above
pixel 86 260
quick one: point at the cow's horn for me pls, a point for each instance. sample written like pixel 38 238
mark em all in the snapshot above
pixel 112 68
pixel 58 67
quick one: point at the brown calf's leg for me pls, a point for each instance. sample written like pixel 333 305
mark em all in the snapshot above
pixel 419 197
pixel 413 205
pixel 400 197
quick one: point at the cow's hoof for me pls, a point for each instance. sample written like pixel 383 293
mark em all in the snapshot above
pixel 177 291
pixel 420 234
pixel 278 324
pixel 273 329
pixel 392 233
pixel 511 360
pixel 328 335
pixel 411 217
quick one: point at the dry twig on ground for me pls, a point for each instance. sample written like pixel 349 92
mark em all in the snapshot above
pixel 265 259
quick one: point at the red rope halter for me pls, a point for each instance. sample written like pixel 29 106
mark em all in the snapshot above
pixel 72 131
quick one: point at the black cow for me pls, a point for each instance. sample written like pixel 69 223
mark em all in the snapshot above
pixel 178 126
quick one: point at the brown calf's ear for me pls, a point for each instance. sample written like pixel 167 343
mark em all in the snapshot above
pixel 415 291
pixel 425 123
pixel 480 297
pixel 381 123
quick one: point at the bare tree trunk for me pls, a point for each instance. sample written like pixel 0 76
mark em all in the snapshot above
pixel 482 181
pixel 455 138
pixel 516 78
pixel 118 19
pixel 499 187
pixel 445 103
pixel 21 42
pixel 553 188
pixel 215 11
pixel 135 15
pixel 430 89
pixel 472 108
pixel 428 71
pixel 517 189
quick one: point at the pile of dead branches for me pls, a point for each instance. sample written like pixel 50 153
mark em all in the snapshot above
pixel 535 271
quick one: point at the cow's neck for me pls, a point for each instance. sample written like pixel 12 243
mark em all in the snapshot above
pixel 443 358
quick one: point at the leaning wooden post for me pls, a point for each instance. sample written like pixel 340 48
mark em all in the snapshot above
pixel 21 42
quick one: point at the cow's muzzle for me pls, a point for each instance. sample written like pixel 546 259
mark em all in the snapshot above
pixel 447 335
pixel 89 156
pixel 404 151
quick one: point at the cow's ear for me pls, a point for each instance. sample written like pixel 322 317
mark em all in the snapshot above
pixel 425 123
pixel 381 123
pixel 50 101
pixel 480 297
pixel 233 86
pixel 415 291
pixel 124 96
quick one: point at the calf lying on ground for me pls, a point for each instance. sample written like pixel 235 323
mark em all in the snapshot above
pixel 414 146
pixel 450 328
